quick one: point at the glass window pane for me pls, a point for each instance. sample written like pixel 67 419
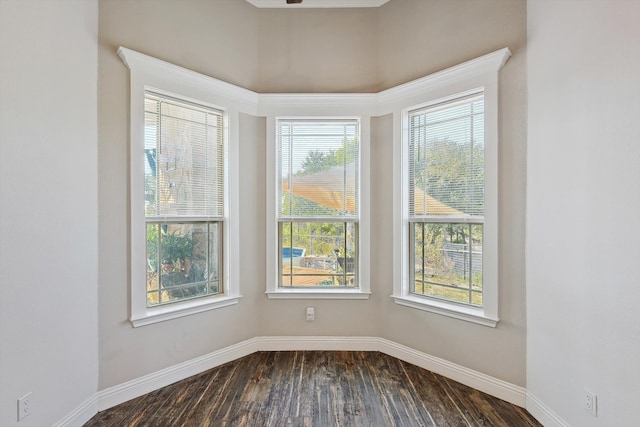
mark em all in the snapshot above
pixel 318 168
pixel 215 257
pixel 446 159
pixel 448 261
pixel 476 263
pixel 184 159
pixel 183 261
pixel 318 254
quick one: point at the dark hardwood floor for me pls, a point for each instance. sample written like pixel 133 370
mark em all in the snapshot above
pixel 315 388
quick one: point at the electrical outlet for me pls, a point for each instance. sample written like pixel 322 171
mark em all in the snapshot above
pixel 311 314
pixel 591 402
pixel 24 406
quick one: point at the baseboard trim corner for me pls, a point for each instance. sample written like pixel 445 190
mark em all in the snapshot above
pixel 485 383
pixel 80 415
pixel 131 389
pixel 541 412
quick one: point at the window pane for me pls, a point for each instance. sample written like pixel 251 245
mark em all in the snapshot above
pixel 215 257
pixel 182 261
pixel 476 262
pixel 446 159
pixel 448 261
pixel 318 254
pixel 184 159
pixel 318 168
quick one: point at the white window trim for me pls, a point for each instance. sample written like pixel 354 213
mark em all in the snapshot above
pixel 320 106
pixel 148 73
pixel 480 73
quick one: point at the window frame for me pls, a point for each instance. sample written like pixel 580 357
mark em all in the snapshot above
pixel 151 74
pixel 480 74
pixel 444 220
pixel 315 107
pixel 293 219
pixel 208 220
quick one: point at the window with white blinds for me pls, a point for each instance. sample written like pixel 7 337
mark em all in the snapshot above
pixel 184 165
pixel 446 199
pixel 318 163
pixel 183 198
pixel 318 202
pixel 446 159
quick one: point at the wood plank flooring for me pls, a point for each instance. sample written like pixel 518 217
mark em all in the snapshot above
pixel 315 388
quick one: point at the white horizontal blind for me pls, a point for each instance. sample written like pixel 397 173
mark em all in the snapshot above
pixel 184 159
pixel 318 168
pixel 446 159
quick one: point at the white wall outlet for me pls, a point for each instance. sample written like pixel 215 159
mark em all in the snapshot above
pixel 591 402
pixel 24 406
pixel 311 314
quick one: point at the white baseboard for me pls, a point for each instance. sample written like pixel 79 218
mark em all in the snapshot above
pixel 80 415
pixel 131 389
pixel 483 382
pixel 541 412
pixel 318 343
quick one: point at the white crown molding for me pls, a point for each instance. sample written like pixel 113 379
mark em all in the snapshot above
pixel 398 96
pixel 372 104
pixel 230 95
pixel 335 104
pixel 316 4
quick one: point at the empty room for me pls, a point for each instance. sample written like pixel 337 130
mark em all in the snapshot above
pixel 319 213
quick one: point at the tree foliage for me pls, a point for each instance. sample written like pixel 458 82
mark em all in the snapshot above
pixel 318 161
pixel 451 172
pixel 320 238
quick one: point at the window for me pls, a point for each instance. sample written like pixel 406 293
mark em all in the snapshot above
pixel 184 201
pixel 446 200
pixel 183 198
pixel 318 203
pixel 446 190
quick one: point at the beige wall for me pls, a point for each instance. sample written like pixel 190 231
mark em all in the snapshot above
pixel 219 41
pixel 416 38
pixel 308 51
pixel 318 50
pixel 420 37
pixel 582 209
pixel 48 209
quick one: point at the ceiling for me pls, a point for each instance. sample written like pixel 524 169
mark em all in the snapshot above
pixel 317 4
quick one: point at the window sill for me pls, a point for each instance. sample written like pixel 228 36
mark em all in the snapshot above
pixel 318 294
pixel 470 314
pixel 187 308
